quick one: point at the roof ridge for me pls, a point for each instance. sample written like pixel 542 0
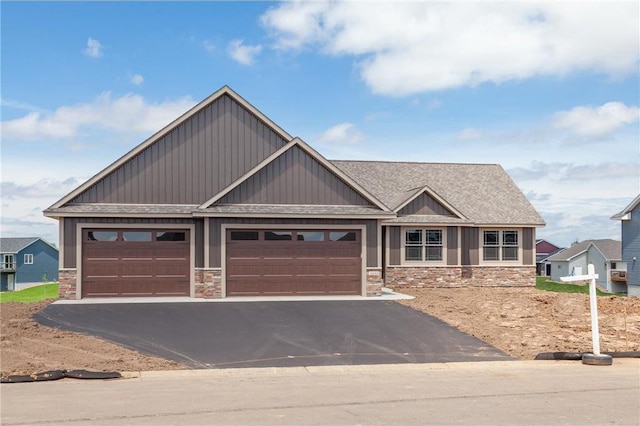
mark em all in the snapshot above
pixel 415 162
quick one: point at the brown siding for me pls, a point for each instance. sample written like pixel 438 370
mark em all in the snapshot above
pixel 470 242
pixel 294 178
pixel 528 246
pixel 215 236
pixel 452 245
pixel 69 238
pixel 193 162
pixel 426 205
pixel 395 240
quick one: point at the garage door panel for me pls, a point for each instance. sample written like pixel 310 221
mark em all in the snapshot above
pixel 135 268
pixel 297 266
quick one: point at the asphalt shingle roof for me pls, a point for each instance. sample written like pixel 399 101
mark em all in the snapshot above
pixel 14 245
pixel 483 193
pixel 611 250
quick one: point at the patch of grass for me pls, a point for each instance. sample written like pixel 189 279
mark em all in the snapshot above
pixel 31 294
pixel 544 284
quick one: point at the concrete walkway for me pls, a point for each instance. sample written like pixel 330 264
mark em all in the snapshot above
pixel 482 393
pixel 387 294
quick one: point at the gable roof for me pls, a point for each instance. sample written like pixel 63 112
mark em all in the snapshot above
pixel 610 250
pixel 481 193
pixel 14 245
pixel 622 215
pixel 225 90
pixel 297 142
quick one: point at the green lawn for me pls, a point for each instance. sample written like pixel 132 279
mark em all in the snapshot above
pixel 543 283
pixel 31 294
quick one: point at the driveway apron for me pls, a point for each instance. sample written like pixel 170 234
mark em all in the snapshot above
pixel 273 334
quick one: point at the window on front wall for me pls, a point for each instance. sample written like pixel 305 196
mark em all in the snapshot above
pixel 423 245
pixel 500 245
pixel 28 259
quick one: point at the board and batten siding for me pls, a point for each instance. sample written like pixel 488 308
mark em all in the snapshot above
pixel 192 162
pixel 69 237
pixel 395 241
pixel 528 246
pixel 424 204
pixel 452 245
pixel 295 177
pixel 215 233
pixel 470 254
pixel 631 249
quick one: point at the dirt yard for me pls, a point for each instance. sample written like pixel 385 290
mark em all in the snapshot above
pixel 520 322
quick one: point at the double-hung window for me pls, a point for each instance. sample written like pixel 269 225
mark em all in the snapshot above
pixel 500 245
pixel 28 259
pixel 423 245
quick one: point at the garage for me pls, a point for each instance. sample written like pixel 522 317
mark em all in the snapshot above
pixel 293 262
pixel 135 262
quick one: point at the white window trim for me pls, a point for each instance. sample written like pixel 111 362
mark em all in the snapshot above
pixel 403 245
pixel 483 262
pixel 28 256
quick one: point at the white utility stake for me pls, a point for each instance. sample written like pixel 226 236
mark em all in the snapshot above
pixel 596 358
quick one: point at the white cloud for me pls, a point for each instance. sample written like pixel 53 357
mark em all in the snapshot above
pixel 406 48
pixel 596 121
pixel 342 133
pixel 244 54
pixel 128 113
pixel 94 48
pixel 469 134
pixel 209 46
pixel 137 79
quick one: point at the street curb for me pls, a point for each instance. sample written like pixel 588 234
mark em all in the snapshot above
pixel 485 366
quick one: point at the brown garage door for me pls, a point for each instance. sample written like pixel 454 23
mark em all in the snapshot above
pixel 293 262
pixel 135 262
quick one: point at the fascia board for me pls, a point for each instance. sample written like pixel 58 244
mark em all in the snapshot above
pixel 290 215
pixel 225 90
pixel 123 215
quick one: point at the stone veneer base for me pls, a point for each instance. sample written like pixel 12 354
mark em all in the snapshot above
pixel 460 276
pixel 208 283
pixel 67 284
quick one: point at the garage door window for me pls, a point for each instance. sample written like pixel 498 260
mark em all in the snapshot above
pixel 278 235
pixel 136 236
pixel 244 236
pixel 310 236
pixel 171 236
pixel 342 236
pixel 102 235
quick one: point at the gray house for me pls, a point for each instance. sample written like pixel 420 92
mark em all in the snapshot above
pixel 223 202
pixel 630 218
pixel 604 254
pixel 27 261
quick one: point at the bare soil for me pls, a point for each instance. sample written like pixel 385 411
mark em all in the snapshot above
pixel 522 322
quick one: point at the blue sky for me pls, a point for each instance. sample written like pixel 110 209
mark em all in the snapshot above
pixel 548 90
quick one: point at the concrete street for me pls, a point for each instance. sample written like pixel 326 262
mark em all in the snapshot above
pixel 491 393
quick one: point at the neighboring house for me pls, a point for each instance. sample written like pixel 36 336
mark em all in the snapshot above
pixel 223 202
pixel 605 256
pixel 544 249
pixel 27 261
pixel 630 218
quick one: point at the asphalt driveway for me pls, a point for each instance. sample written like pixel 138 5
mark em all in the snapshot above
pixel 274 334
